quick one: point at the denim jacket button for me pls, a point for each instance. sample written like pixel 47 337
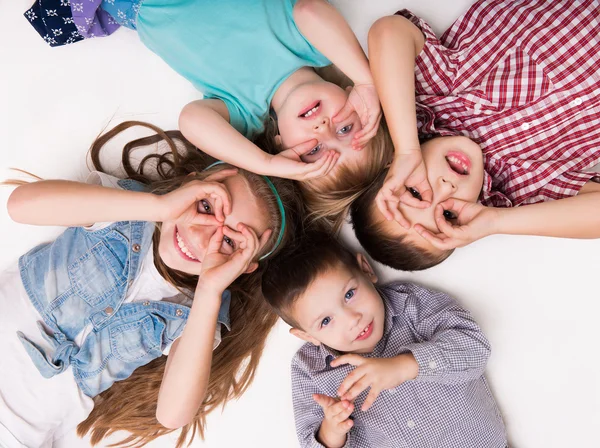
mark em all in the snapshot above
pixel 179 313
pixel 146 302
pixel 108 310
pixel 136 247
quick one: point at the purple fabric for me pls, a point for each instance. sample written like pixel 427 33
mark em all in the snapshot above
pixel 91 20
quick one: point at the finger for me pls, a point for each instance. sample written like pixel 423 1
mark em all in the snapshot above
pixel 407 198
pixel 382 204
pixel 324 401
pixel 214 190
pixel 341 411
pixel 373 394
pixel 352 359
pixel 363 136
pixel 205 219
pixel 252 243
pixel 344 113
pixel 214 244
pixel 218 209
pixel 238 237
pixel 352 378
pixel 358 388
pixel 435 241
pixel 398 216
pixel 445 227
pixel 322 166
pixel 305 147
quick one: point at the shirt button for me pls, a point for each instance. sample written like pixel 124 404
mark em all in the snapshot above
pixel 477 107
pixel 432 364
pixel 577 102
pixel 146 302
pixel 178 313
pixel 525 126
pixel 410 424
pixel 392 391
pixel 109 310
pixel 136 247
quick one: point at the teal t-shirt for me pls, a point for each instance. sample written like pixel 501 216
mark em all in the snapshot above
pixel 238 51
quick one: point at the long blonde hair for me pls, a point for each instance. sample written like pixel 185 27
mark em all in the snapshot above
pixel 130 405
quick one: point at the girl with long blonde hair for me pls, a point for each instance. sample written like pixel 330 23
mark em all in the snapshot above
pixel 167 263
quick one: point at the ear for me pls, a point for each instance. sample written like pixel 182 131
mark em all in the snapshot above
pixel 278 140
pixel 251 267
pixel 365 266
pixel 304 336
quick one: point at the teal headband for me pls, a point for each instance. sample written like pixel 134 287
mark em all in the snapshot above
pixel 279 203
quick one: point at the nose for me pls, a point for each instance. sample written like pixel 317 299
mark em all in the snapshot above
pixel 354 318
pixel 444 190
pixel 321 125
pixel 200 235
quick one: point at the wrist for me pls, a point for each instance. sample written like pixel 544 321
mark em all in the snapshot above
pixel 408 366
pixel 497 221
pixel 330 438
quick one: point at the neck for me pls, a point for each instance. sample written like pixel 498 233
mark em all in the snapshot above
pixel 301 76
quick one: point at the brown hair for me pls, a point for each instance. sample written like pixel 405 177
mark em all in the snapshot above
pixel 392 251
pixel 293 272
pixel 130 404
pixel 328 198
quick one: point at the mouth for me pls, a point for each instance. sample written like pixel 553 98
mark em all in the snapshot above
pixel 182 248
pixel 310 110
pixel 367 331
pixel 459 162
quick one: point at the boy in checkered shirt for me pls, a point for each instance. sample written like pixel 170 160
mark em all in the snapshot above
pixel 391 366
pixel 520 83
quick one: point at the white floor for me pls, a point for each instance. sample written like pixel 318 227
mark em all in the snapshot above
pixel 536 298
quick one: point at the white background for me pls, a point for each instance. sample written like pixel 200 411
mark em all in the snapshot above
pixel 536 298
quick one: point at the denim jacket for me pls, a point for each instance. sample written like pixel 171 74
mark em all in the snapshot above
pixel 82 278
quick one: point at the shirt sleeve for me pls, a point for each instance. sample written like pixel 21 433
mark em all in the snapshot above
pixel 452 347
pixel 104 180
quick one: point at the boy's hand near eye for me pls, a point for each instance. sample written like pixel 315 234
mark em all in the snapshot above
pixel 288 163
pixel 460 223
pixel 407 170
pixel 377 373
pixel 336 423
pixel 363 100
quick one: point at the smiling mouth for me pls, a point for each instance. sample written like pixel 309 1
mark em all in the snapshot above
pixel 365 333
pixel 458 162
pixel 183 250
pixel 312 109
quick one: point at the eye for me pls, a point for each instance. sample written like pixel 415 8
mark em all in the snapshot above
pixel 315 150
pixel 204 207
pixel 350 294
pixel 415 193
pixel 325 322
pixel 229 241
pixel 345 130
pixel 449 215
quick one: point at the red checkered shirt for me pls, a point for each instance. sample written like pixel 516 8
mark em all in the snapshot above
pixel 522 79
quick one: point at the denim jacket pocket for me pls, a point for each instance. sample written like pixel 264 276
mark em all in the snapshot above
pixel 98 274
pixel 134 341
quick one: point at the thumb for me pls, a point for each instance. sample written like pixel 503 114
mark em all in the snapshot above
pixel 323 400
pixel 344 112
pixel 305 147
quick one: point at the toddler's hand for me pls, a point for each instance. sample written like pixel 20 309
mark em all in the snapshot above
pixel 408 170
pixel 229 255
pixel 288 163
pixel 183 204
pixel 377 373
pixel 336 423
pixel 363 100
pixel 468 222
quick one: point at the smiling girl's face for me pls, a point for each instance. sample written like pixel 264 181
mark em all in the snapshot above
pixel 307 114
pixel 183 245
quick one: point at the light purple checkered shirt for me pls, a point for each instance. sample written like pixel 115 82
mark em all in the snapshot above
pixel 448 405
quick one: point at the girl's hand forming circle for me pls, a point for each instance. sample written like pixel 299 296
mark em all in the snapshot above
pixel 363 100
pixel 288 163
pixel 219 270
pixel 408 170
pixel 469 222
pixel 182 204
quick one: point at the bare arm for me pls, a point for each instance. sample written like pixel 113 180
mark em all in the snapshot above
pixel 205 123
pixel 325 28
pixel 394 43
pixel 185 381
pixel 66 203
